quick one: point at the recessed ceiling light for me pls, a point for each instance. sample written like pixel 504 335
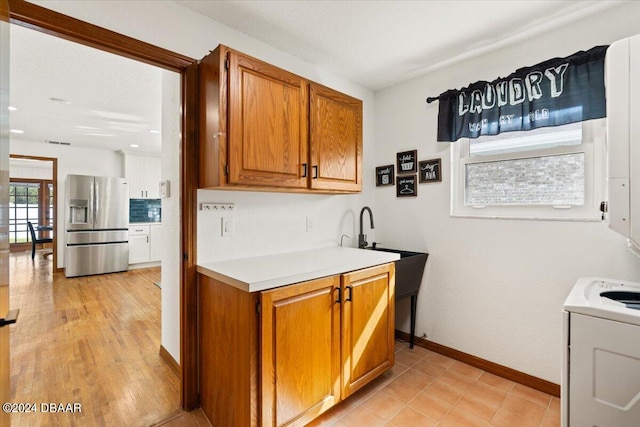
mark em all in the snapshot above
pixel 60 101
pixel 134 145
pixel 11 108
pixel 154 131
pixel 16 131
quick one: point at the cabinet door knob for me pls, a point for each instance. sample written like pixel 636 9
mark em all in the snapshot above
pixel 315 172
pixel 339 300
pixel 304 170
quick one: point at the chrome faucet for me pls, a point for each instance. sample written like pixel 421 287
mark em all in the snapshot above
pixel 362 238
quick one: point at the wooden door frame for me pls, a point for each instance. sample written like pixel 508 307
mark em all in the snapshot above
pixel 50 22
pixel 54 178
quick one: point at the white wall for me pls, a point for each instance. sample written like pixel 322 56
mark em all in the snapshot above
pixel 264 222
pixel 170 255
pixel 30 169
pixel 71 160
pixel 493 288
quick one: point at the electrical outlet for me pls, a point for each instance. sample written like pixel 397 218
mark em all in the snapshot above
pixel 226 226
pixel 309 224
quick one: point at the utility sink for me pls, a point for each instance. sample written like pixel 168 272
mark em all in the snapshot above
pixel 409 270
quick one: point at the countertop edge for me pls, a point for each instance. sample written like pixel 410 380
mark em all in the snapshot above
pixel 297 277
pixel 223 278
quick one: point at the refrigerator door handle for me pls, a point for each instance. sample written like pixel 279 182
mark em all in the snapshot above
pixel 97 199
pixel 91 215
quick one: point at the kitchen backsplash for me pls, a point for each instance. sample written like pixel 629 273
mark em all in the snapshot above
pixel 145 210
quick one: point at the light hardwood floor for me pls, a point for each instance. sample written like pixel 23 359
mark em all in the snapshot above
pixel 91 340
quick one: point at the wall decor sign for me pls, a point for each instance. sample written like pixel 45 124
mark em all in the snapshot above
pixel 406 186
pixel 384 175
pixel 430 170
pixel 407 161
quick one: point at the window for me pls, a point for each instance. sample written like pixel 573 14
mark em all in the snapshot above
pixel 548 173
pixel 29 200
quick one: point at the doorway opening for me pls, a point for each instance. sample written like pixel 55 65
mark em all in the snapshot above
pixel 38 18
pixel 32 199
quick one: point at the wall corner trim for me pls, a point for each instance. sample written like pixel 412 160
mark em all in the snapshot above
pixel 171 362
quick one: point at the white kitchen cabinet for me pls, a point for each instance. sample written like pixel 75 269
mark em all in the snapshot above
pixel 155 242
pixel 144 175
pixel 139 243
pixel 145 243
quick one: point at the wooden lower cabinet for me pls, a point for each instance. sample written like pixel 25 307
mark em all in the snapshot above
pixel 368 326
pixel 284 356
pixel 300 346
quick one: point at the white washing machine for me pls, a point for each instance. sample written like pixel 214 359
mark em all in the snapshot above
pixel 601 357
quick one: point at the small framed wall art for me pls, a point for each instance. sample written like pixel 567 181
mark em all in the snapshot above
pixel 407 161
pixel 406 186
pixel 430 170
pixel 385 175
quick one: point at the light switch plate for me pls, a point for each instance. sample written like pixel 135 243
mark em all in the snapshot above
pixel 226 226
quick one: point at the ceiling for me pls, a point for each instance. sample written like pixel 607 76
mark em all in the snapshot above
pixel 100 100
pixel 381 43
pixel 113 102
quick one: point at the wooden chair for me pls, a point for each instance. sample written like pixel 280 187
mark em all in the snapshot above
pixel 35 241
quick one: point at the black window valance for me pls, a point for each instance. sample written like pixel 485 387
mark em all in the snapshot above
pixel 552 93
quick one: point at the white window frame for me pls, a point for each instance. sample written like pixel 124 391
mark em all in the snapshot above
pixel 594 148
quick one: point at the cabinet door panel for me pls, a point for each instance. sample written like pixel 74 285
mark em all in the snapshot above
pixel 134 169
pixel 155 243
pixel 336 140
pixel 301 325
pixel 152 176
pixel 634 135
pixel 367 325
pixel 138 248
pixel 267 123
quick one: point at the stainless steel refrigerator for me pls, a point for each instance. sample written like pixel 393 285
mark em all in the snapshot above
pixel 96 225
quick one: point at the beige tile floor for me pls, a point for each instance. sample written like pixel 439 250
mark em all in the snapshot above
pixel 428 389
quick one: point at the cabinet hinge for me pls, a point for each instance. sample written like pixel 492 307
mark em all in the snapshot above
pixel 258 308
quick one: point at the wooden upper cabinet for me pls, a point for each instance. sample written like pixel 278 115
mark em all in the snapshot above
pixel 267 139
pixel 335 139
pixel 264 128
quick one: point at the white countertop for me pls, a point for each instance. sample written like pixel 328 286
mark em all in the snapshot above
pixel 270 271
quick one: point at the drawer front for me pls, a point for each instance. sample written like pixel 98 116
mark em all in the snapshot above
pixel 135 230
